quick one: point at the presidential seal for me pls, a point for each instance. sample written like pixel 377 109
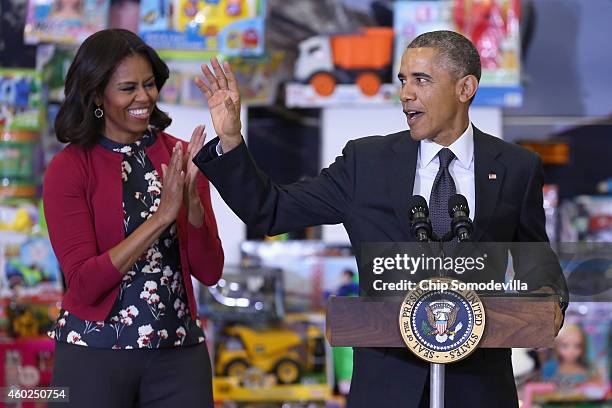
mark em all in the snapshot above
pixel 439 324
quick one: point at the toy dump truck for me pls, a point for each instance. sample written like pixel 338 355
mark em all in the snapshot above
pixel 362 58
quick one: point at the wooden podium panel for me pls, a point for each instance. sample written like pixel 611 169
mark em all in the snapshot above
pixel 510 322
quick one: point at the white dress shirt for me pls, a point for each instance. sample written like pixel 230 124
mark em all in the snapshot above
pixel 461 168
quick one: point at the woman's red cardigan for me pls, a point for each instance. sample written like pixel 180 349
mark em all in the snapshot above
pixel 82 198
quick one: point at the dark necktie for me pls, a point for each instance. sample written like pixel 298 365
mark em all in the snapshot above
pixel 443 188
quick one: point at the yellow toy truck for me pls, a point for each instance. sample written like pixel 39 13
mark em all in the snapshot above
pixel 283 351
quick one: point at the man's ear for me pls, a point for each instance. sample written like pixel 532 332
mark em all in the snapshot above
pixel 466 88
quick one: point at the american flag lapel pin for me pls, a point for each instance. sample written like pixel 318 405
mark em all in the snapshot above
pixel 492 176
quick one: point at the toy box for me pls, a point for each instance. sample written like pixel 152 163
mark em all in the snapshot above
pixel 26 363
pixel 188 29
pixel 258 79
pixel 64 21
pixel 577 367
pixel 20 99
pixel 493 27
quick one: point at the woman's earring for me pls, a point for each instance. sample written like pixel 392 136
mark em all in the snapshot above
pixel 98 112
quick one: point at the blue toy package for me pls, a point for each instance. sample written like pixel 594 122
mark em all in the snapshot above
pixel 193 29
pixel 154 15
pixel 30 263
pixel 20 99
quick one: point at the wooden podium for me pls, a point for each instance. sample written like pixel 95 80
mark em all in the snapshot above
pixel 511 321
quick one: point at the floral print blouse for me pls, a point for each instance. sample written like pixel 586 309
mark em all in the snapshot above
pixel 151 309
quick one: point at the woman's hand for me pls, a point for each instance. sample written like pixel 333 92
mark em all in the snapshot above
pixel 195 210
pixel 223 100
pixel 173 184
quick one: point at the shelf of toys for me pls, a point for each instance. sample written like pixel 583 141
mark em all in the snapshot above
pixel 30 280
pixel 267 325
pixel 352 68
pixel 195 29
pixel 30 283
pixel 578 369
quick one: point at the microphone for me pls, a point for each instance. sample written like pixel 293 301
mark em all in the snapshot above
pixel 420 225
pixel 459 211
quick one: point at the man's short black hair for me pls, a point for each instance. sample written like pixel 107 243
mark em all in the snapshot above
pixel 459 52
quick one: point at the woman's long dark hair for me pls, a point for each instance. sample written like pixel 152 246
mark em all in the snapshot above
pixel 87 78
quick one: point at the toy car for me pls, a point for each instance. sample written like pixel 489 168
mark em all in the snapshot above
pixel 286 352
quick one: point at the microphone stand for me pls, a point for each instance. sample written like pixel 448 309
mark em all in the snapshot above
pixel 436 371
pixel 426 234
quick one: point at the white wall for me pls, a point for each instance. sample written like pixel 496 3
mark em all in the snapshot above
pixel 231 230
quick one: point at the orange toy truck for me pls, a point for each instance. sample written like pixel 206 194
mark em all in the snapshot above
pixel 361 58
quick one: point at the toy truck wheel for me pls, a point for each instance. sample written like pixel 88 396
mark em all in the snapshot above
pixel 287 371
pixel 323 83
pixel 236 368
pixel 369 83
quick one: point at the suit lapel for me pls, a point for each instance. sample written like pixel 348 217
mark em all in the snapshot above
pixel 488 178
pixel 400 177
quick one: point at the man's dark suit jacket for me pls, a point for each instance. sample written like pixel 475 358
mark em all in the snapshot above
pixel 368 189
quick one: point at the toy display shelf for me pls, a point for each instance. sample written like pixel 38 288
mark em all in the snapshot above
pixel 298 95
pixel 304 96
pixel 229 389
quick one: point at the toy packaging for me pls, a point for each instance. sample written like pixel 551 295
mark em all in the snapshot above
pixel 20 216
pixel 31 317
pixel 577 367
pixel 258 79
pixel 16 155
pixel 154 16
pixel 64 21
pixel 493 27
pixel 187 29
pixel 20 163
pixel 20 99
pixel 26 363
pixel 550 194
pixel 50 146
pixel 30 263
pixel 587 218
pixel 20 122
pixel 53 61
